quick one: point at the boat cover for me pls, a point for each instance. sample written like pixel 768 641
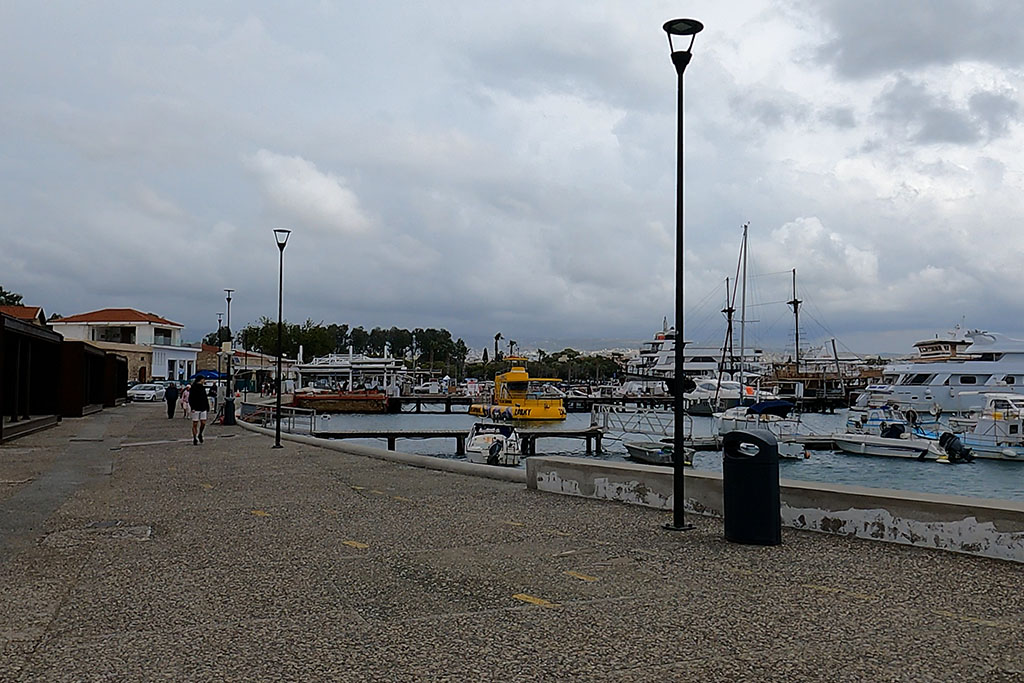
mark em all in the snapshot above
pixel 777 408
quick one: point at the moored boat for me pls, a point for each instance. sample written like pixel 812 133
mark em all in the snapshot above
pixel 493 444
pixel 770 415
pixel 882 430
pixel 996 432
pixel 656 452
pixel 517 396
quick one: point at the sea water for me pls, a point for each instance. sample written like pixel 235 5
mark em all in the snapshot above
pixel 982 478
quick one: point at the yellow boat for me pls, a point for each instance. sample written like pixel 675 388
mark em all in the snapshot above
pixel 517 396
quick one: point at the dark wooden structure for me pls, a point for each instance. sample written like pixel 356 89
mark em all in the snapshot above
pixel 115 380
pixel 83 372
pixel 592 436
pixel 30 370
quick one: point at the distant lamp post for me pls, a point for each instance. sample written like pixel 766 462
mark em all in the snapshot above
pixel 220 326
pixel 229 397
pixel 680 28
pixel 281 235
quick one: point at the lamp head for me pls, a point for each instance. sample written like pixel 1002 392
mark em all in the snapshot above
pixel 682 27
pixel 281 235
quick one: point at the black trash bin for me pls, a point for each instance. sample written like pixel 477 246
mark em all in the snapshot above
pixel 750 487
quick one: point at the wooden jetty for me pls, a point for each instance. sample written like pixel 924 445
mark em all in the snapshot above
pixel 443 403
pixel 529 437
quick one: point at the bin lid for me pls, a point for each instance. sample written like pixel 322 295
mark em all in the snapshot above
pixel 750 445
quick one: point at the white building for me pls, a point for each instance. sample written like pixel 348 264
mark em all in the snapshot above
pixel 151 343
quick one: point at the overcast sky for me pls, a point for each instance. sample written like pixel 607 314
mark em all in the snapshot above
pixel 510 167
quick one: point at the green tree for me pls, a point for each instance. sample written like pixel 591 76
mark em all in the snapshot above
pixel 9 298
pixel 376 342
pixel 400 342
pixel 358 339
pixel 217 337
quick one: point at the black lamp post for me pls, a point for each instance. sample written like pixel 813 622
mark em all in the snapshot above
pixel 229 396
pixel 680 58
pixel 281 235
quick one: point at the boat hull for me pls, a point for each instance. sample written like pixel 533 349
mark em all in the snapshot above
pixel 866 444
pixel 348 402
pixel 498 411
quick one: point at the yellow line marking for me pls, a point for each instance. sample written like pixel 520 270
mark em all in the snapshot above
pixel 358 488
pixel 355 544
pixel 862 596
pixel 172 469
pixel 540 602
pixel 514 523
pixel 261 513
pixel 581 577
pixel 971 620
pixel 404 499
pixel 561 533
pixel 207 486
pixel 379 493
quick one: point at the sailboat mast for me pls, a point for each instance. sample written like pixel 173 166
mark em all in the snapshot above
pixel 743 303
pixel 795 303
pixel 727 348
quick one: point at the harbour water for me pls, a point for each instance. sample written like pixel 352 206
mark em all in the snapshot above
pixel 983 479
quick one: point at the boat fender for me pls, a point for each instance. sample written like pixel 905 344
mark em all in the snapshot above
pixel 493 452
pixel 935 410
pixel 912 417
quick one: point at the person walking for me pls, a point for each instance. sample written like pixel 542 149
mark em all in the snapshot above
pixel 171 396
pixel 185 409
pixel 200 404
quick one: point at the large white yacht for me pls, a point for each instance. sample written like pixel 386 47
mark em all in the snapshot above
pixel 951 372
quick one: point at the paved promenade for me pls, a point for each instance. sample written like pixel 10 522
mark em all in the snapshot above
pixel 127 554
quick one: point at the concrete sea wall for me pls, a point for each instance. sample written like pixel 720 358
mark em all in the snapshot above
pixel 990 528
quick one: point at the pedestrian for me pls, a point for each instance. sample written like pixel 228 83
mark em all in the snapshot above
pixel 171 396
pixel 200 404
pixel 185 409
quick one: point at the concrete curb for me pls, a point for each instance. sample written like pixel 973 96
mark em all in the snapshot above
pixel 516 476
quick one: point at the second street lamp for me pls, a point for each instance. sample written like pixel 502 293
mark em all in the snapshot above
pixel 281 236
pixel 229 395
pixel 680 28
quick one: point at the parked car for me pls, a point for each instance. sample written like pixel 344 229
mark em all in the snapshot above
pixel 146 392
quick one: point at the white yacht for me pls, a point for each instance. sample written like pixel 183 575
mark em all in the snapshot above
pixel 949 372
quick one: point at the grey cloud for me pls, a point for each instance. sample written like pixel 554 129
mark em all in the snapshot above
pixel 839 117
pixel 911 111
pixel 873 37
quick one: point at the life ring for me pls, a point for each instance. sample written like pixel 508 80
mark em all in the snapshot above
pixel 912 416
pixel 935 410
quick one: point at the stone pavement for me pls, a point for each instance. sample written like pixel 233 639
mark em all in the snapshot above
pixel 130 555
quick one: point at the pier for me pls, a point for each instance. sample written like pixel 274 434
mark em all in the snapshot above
pixel 443 403
pixel 529 437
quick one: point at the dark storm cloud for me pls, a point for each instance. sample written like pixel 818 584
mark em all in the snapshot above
pixel 875 36
pixel 909 109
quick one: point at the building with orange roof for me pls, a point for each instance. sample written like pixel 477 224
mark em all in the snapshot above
pixel 30 314
pixel 151 342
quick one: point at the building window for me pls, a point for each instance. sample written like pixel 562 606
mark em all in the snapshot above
pixel 162 335
pixel 117 335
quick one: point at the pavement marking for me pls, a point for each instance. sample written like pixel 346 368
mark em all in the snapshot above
pixel 358 488
pixel 379 493
pixel 172 469
pixel 971 620
pixel 15 482
pixel 207 486
pixel 260 513
pixel 355 544
pixel 540 602
pixel 560 533
pixel 581 577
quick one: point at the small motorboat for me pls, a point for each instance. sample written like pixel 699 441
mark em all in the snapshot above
pixel 656 452
pixel 489 443
pixel 770 415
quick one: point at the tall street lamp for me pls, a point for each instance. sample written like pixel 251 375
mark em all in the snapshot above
pixel 281 235
pixel 680 58
pixel 229 397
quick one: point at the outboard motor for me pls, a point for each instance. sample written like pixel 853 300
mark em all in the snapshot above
pixel 494 451
pixel 954 448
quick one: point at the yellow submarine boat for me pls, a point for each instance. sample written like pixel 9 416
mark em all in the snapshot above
pixel 517 396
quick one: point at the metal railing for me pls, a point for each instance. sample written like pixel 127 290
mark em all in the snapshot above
pixel 632 420
pixel 293 420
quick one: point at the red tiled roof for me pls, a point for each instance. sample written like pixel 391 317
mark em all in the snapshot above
pixel 22 312
pixel 117 315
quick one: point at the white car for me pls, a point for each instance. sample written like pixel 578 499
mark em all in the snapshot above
pixel 147 392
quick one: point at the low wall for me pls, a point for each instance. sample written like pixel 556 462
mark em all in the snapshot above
pixel 990 528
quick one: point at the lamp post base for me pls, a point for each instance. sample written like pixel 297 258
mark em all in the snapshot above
pixel 671 526
pixel 277 445
pixel 229 413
